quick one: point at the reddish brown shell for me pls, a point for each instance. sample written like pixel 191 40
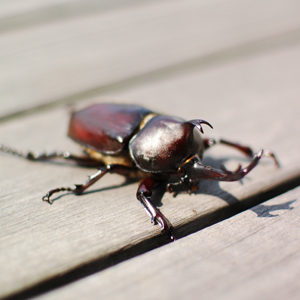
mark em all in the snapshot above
pixel 106 128
pixel 164 144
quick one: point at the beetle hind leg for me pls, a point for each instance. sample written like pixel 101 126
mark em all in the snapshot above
pixel 48 156
pixel 144 193
pixel 245 149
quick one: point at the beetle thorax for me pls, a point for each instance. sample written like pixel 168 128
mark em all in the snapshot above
pixel 164 143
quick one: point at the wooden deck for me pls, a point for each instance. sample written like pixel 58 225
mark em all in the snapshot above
pixel 235 64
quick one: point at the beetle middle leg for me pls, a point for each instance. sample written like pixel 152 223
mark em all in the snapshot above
pixel 245 149
pixel 80 188
pixel 144 193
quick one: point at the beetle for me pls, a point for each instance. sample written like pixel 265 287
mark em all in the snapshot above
pixel 138 143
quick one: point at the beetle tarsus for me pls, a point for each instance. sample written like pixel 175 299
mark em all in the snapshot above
pixel 47 197
pixel 10 150
pixel 240 172
pixel 269 153
pixel 78 190
pixel 85 161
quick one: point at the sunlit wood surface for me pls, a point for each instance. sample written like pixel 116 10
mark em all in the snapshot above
pixel 235 64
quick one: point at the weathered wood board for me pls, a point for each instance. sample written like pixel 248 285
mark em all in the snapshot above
pixel 19 14
pixel 246 100
pixel 253 255
pixel 235 64
pixel 66 59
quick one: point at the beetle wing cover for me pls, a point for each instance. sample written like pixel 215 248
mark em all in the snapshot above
pixel 106 128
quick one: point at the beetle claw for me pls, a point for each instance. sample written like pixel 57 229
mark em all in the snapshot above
pixel 153 221
pixel 238 170
pixel 269 153
pixel 170 234
pixel 47 198
pixel 164 223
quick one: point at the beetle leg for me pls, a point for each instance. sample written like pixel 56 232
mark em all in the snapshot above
pixel 182 185
pixel 226 175
pixel 245 149
pixel 196 172
pixel 144 193
pixel 80 188
pixel 81 160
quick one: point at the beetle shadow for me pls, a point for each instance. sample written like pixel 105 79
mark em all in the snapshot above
pixel 263 211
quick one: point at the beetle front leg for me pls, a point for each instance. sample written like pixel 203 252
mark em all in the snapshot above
pixel 144 193
pixel 80 188
pixel 194 171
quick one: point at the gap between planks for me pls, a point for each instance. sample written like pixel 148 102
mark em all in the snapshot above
pixel 129 252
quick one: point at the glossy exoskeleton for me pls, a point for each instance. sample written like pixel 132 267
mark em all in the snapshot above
pixel 138 143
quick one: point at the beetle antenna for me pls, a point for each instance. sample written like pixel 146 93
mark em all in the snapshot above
pixel 198 123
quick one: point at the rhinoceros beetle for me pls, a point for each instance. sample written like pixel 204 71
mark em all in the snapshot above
pixel 135 142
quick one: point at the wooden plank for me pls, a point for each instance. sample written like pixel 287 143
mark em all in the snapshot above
pixel 75 58
pixel 253 255
pixel 20 14
pixel 248 100
pixel 18 7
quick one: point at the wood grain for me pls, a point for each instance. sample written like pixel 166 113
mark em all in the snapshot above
pixel 39 241
pixel 234 64
pixel 17 15
pixel 253 255
pixel 72 58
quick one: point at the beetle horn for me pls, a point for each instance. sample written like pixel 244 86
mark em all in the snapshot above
pixel 198 123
